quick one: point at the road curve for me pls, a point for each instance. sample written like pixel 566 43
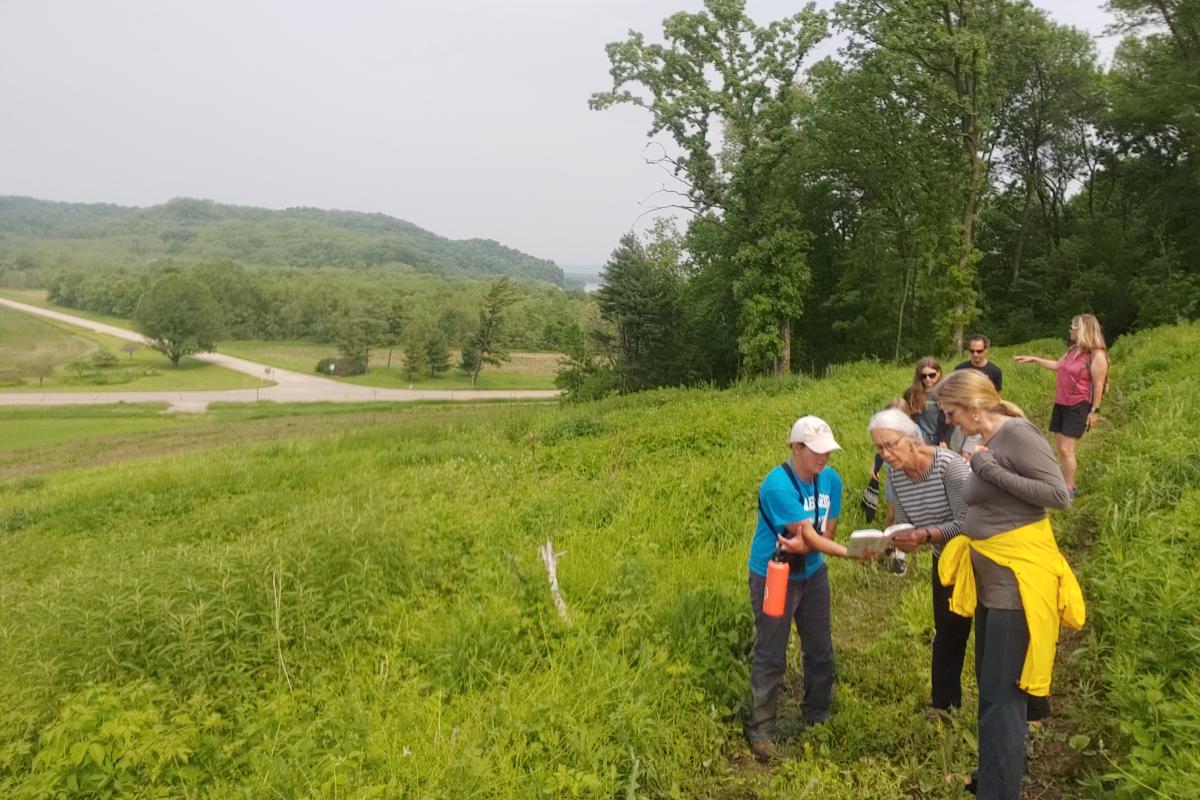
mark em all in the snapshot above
pixel 289 387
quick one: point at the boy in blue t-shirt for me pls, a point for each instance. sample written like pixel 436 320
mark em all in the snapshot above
pixel 800 499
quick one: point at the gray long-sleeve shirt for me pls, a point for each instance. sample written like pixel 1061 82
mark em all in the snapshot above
pixel 1012 484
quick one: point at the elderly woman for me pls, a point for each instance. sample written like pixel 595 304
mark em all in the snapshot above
pixel 1007 571
pixel 1081 378
pixel 925 489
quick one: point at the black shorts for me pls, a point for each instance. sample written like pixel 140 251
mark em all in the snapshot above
pixel 1070 420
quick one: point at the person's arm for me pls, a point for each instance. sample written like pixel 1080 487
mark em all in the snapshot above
pixel 804 531
pixel 1041 362
pixel 1099 372
pixel 954 479
pixel 944 429
pixel 1034 475
pixel 781 504
pixel 830 529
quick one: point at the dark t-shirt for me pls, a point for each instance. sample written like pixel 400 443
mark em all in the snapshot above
pixel 989 369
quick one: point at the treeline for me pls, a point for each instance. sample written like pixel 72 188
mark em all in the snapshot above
pixel 47 236
pixel 322 305
pixel 957 166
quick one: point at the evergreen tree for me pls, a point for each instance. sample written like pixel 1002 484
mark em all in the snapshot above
pixel 486 345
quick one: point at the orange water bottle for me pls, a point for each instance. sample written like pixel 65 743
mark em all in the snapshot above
pixel 775 595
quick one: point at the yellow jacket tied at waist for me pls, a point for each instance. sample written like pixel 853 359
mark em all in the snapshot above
pixel 1049 591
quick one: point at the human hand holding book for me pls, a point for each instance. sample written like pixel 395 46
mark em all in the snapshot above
pixel 870 542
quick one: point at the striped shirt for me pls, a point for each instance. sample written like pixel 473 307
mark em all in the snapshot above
pixel 936 500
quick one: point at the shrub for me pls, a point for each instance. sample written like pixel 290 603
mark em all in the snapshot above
pixel 572 427
pixel 102 359
pixel 341 366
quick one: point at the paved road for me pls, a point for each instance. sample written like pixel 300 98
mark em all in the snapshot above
pixel 289 387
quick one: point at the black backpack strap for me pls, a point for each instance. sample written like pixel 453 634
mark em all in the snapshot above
pixel 800 494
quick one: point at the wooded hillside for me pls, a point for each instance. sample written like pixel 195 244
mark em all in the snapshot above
pixel 38 233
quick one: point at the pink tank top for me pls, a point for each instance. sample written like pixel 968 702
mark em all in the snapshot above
pixel 1074 383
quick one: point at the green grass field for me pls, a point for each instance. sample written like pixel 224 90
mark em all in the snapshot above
pixel 25 340
pixel 32 427
pixel 355 607
pixel 524 371
pixel 37 297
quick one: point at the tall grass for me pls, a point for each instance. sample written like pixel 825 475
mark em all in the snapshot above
pixel 1143 500
pixel 365 614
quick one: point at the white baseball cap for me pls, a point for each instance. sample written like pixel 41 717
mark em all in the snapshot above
pixel 815 434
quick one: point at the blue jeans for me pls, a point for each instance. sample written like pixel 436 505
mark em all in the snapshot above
pixel 1001 639
pixel 807 606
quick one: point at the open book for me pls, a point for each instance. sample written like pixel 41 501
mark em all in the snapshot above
pixel 873 542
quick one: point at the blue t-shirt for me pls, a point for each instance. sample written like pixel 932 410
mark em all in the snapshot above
pixel 783 507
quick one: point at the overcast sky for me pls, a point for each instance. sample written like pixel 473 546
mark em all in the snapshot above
pixel 466 117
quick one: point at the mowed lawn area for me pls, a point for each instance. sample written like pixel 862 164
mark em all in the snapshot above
pixel 40 355
pixel 22 428
pixel 524 371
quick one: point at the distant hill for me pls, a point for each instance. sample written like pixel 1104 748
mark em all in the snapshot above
pixel 203 230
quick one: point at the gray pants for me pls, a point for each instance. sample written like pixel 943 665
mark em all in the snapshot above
pixel 808 606
pixel 1001 639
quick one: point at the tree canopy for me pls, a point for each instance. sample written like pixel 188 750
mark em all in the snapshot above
pixel 178 316
pixel 957 166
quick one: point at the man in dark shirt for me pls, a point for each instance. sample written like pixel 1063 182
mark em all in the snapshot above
pixel 978 347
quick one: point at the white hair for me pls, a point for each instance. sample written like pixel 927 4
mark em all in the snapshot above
pixel 893 419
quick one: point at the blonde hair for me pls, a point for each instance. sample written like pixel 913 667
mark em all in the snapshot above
pixel 899 403
pixel 971 389
pixel 1088 335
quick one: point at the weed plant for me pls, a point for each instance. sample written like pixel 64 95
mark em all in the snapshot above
pixel 365 614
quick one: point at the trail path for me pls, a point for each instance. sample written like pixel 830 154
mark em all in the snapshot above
pixel 290 387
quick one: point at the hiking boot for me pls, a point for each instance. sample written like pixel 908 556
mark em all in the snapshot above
pixel 763 750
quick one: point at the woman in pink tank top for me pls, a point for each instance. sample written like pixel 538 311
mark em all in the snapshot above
pixel 1082 377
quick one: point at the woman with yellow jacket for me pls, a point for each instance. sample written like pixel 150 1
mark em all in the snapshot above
pixel 1007 571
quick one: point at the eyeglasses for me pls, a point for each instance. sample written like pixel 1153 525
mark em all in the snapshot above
pixel 979 352
pixel 889 447
pixel 929 374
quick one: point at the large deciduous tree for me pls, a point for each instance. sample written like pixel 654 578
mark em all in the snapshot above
pixel 178 316
pixel 725 90
pixel 954 64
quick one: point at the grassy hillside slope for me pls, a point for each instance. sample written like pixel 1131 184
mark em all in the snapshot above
pixel 366 615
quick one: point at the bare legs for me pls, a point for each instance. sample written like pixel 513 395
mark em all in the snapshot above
pixel 1066 457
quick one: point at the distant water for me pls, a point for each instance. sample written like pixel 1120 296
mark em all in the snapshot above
pixel 588 275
